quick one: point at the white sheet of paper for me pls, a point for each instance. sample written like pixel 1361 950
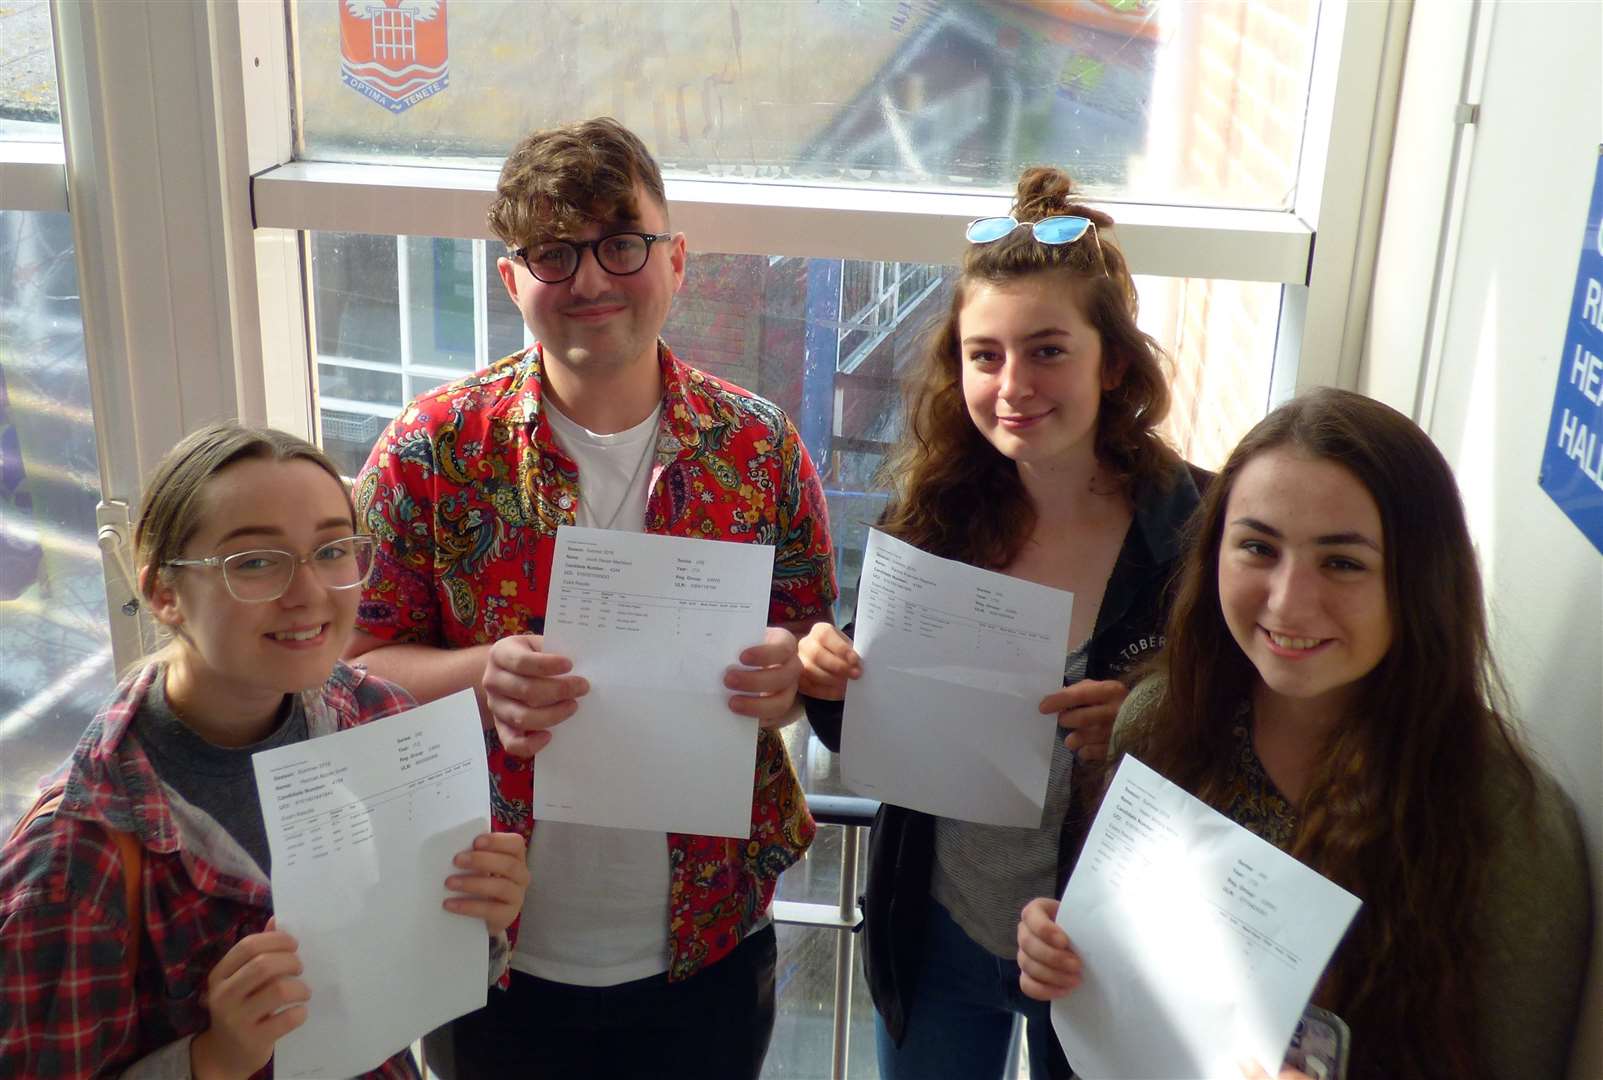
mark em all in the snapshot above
pixel 956 660
pixel 1201 942
pixel 653 622
pixel 362 826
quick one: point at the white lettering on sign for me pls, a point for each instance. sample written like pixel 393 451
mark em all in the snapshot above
pixel 1581 446
pixel 1586 374
pixel 1592 307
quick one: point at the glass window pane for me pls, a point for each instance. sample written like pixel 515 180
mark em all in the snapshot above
pixel 439 284
pixel 348 436
pixel 29 109
pixel 804 1007
pixel 1190 101
pixel 754 320
pixel 506 331
pixel 355 291
pixel 343 381
pixel 57 668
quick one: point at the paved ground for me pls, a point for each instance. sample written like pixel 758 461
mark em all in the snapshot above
pixel 27 66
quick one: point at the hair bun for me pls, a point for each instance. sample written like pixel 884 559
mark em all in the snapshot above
pixel 1045 190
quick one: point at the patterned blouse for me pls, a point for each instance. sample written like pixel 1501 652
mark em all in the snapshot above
pixel 464 493
pixel 1253 801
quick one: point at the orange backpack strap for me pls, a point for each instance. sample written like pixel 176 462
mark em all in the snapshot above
pixel 130 853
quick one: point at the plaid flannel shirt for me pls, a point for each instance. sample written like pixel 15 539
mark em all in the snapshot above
pixel 67 1005
pixel 465 492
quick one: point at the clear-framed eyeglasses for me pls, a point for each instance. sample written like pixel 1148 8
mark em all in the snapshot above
pixel 619 254
pixel 263 574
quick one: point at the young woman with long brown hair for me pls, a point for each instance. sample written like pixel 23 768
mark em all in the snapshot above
pixel 1327 684
pixel 1029 447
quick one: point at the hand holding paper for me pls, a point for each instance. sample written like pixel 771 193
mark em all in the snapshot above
pixel 1087 710
pixel 1049 968
pixel 1200 941
pixel 765 686
pixel 529 691
pixel 363 826
pixel 955 663
pixel 493 880
pixel 828 662
pixel 253 998
pixel 653 622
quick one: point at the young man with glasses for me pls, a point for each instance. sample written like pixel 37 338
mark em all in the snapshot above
pixel 639 954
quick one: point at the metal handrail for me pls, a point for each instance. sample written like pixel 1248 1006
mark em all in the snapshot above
pixel 843 917
pixel 842 809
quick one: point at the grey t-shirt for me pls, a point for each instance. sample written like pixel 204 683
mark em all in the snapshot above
pixel 216 779
pixel 985 874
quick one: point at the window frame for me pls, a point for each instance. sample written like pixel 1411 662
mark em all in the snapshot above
pixel 221 142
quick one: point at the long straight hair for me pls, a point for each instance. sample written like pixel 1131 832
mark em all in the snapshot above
pixel 1396 809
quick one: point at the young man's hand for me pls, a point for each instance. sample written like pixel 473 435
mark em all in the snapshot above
pixel 492 877
pixel 244 993
pixel 528 692
pixel 828 661
pixel 765 686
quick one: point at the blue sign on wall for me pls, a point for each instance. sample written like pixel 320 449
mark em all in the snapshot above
pixel 1572 462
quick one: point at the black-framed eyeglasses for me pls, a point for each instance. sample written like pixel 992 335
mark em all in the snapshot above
pixel 619 254
pixel 264 574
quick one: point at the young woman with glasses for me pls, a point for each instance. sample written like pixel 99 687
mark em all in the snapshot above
pixel 1327 684
pixel 1030 447
pixel 249 559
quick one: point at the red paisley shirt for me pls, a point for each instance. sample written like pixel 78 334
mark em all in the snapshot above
pixel 465 491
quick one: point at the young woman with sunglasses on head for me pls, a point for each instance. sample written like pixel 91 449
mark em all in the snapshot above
pixel 1327 684
pixel 248 559
pixel 1029 447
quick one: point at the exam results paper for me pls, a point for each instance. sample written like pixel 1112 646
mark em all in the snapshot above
pixel 946 716
pixel 362 826
pixel 653 622
pixel 1201 941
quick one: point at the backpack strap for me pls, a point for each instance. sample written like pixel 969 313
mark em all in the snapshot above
pixel 129 852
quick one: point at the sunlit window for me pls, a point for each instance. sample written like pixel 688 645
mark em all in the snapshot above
pixel 1186 101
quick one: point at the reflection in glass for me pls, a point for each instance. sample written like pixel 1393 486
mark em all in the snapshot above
pixel 1188 101
pixel 57 666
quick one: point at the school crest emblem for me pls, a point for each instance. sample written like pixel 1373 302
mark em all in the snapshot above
pixel 393 51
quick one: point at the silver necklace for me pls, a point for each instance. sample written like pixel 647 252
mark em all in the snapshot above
pixel 628 489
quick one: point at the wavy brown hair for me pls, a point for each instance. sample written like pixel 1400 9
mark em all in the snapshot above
pixel 1396 810
pixel 557 180
pixel 955 494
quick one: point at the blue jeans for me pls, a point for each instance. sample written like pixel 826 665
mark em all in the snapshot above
pixel 961 1021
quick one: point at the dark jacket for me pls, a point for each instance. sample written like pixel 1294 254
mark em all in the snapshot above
pixel 901 851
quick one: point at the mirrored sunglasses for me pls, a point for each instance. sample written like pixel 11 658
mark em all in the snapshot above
pixel 1058 229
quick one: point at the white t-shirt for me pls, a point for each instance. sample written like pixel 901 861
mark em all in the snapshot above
pixel 596 913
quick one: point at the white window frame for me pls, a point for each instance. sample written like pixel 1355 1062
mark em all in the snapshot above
pixel 194 266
